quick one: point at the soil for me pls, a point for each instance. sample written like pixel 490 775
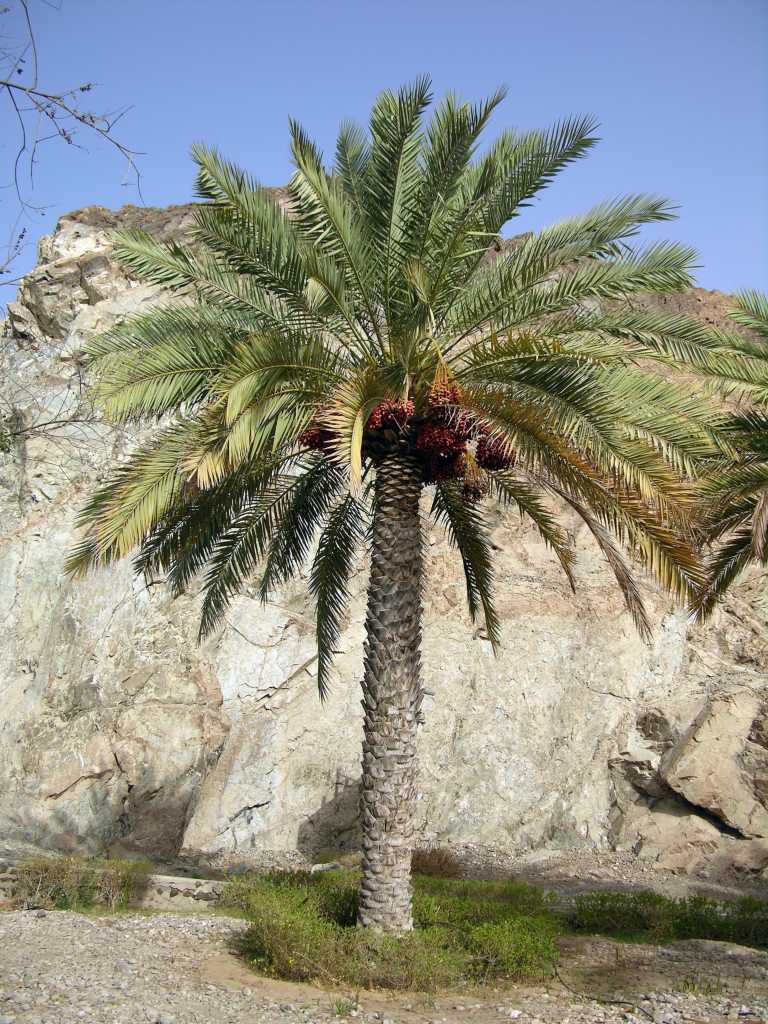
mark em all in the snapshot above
pixel 59 967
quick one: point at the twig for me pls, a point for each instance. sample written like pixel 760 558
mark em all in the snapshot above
pixel 36 108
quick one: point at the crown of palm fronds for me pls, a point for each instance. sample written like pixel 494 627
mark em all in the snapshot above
pixel 735 493
pixel 360 313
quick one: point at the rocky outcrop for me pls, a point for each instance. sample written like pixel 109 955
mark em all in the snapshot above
pixel 695 802
pixel 120 733
pixel 720 764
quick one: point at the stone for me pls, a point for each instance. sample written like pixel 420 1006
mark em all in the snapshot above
pixel 675 838
pixel 716 763
pixel 120 734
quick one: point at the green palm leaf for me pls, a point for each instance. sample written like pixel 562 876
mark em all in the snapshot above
pixel 468 532
pixel 337 549
pixel 359 288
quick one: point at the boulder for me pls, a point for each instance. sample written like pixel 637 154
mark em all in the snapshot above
pixel 719 764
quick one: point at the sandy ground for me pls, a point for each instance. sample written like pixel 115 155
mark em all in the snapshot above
pixel 67 968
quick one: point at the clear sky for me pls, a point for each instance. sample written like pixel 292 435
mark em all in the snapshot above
pixel 680 88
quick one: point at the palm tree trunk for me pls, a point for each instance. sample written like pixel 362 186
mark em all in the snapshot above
pixel 391 697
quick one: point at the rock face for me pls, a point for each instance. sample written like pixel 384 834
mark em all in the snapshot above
pixel 119 733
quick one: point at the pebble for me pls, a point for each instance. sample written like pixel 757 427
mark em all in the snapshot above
pixel 65 969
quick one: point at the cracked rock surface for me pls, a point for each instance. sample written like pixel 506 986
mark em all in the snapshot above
pixel 120 734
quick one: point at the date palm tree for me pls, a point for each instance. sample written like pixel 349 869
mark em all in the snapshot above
pixel 735 494
pixel 340 348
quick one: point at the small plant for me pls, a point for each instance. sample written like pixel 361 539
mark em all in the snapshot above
pixel 72 883
pixel 651 917
pixel 625 914
pixel 344 1006
pixel 337 900
pixel 517 949
pixel 702 986
pixel 436 862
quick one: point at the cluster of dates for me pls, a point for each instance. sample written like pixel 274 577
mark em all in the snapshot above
pixel 440 439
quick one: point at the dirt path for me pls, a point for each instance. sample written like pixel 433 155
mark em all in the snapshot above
pixel 66 968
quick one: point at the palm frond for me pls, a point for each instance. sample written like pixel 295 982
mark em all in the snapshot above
pixel 751 311
pixel 299 520
pixel 623 574
pixel 124 510
pixel 342 536
pixel 325 217
pixel 393 180
pixel 238 553
pixel 510 489
pixel 179 546
pixel 725 565
pixel 468 532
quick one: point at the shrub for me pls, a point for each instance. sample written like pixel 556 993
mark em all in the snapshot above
pixel 650 916
pixel 302 928
pixel 513 948
pixel 289 941
pixel 436 862
pixel 337 899
pixel 72 883
pixel 421 961
pixel 465 903
pixel 626 914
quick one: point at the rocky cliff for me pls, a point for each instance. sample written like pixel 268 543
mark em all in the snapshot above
pixel 119 733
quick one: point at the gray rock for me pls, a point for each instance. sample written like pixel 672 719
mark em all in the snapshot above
pixel 718 764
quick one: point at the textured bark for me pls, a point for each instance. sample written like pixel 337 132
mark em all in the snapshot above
pixel 391 698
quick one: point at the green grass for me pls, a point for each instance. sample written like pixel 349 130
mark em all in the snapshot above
pixel 650 917
pixel 74 883
pixel 344 1007
pixel 468 933
pixel 302 928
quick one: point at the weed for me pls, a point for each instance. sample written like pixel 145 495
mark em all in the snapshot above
pixel 701 986
pixel 303 929
pixel 72 883
pixel 343 1007
pixel 651 917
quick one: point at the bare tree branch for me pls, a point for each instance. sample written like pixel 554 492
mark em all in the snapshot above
pixel 43 115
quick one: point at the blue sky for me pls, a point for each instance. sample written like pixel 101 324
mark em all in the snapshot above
pixel 680 88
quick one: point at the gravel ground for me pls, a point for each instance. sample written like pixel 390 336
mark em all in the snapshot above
pixel 66 968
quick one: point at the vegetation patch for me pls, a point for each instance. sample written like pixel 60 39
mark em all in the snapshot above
pixel 72 883
pixel 303 928
pixel 650 917
pixel 467 933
